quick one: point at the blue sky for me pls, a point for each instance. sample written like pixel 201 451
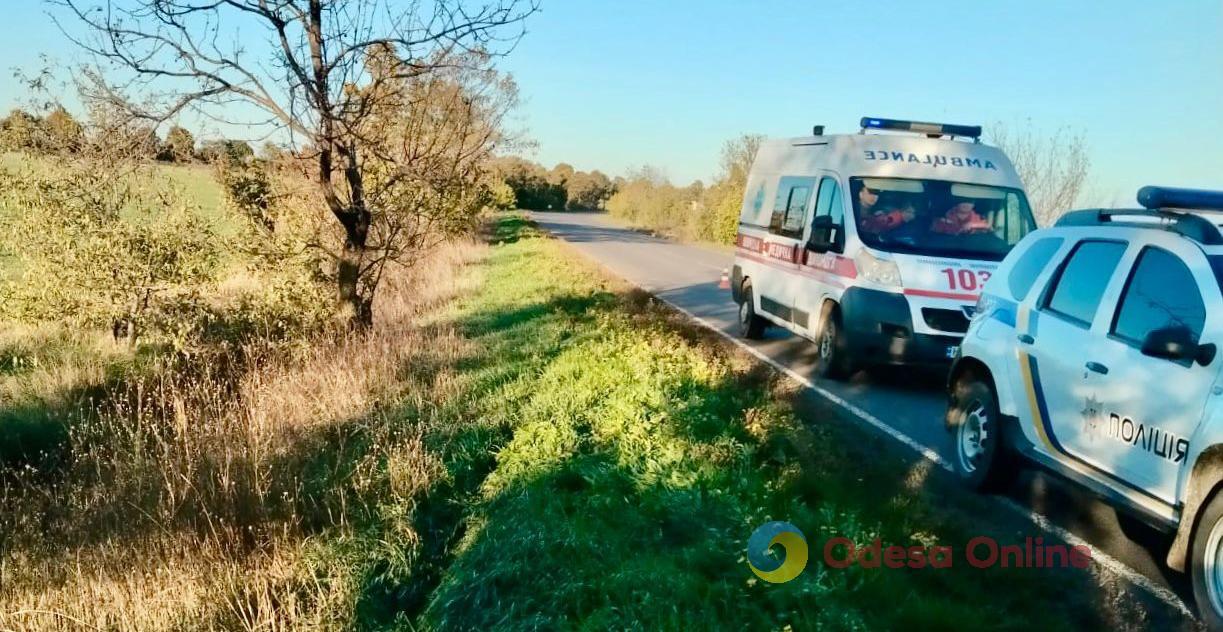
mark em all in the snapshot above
pixel 617 84
pixel 611 85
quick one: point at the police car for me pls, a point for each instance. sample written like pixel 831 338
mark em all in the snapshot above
pixel 874 245
pixel 1093 352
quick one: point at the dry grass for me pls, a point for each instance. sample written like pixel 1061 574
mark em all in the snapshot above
pixel 186 494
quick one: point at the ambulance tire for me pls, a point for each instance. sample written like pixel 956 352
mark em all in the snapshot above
pixel 975 425
pixel 831 349
pixel 751 324
pixel 1205 565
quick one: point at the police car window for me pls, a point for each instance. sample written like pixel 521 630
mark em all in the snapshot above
pixel 1161 292
pixel 1030 265
pixel 1082 279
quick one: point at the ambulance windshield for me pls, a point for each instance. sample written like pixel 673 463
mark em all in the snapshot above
pixel 935 217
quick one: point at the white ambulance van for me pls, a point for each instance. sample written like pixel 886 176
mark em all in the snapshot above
pixel 875 245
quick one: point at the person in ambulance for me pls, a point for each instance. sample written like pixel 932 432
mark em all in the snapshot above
pixel 884 217
pixel 960 219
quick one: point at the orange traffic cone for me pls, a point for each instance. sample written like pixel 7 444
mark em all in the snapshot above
pixel 724 284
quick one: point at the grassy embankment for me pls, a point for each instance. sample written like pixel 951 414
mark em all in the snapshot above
pixel 521 443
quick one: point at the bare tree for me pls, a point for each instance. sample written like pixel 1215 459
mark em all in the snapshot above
pixel 1053 168
pixel 330 73
pixel 737 157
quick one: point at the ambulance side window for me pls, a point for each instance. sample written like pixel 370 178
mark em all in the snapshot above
pixel 793 193
pixel 828 203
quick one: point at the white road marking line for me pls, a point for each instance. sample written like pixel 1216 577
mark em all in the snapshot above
pixel 1105 560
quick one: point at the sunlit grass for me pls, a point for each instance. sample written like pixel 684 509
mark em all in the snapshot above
pixel 521 443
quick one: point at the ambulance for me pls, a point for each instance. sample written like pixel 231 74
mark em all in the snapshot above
pixel 875 245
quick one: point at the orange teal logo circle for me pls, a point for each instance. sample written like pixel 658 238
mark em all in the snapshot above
pixel 773 569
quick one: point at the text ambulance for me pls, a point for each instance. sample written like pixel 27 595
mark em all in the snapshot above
pixel 875 245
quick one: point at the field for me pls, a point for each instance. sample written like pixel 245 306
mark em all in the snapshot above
pixel 521 442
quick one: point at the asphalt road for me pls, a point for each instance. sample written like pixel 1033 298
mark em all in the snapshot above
pixel 902 404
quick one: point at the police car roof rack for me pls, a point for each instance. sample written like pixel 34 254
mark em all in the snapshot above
pixel 1174 210
pixel 932 130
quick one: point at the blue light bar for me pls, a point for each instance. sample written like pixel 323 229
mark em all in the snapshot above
pixel 1168 197
pixel 942 129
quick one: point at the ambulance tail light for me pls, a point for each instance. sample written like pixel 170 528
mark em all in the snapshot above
pixel 877 270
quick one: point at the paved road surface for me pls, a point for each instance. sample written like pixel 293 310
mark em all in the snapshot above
pixel 907 406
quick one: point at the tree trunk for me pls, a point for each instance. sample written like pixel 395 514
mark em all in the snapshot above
pixel 358 308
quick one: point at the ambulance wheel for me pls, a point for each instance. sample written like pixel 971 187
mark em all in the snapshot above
pixel 1206 564
pixel 751 325
pixel 976 433
pixel 832 355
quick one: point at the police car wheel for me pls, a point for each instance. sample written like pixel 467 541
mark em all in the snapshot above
pixel 979 459
pixel 751 325
pixel 1207 564
pixel 832 357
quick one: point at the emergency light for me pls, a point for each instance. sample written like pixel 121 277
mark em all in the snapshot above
pixel 942 129
pixel 1193 199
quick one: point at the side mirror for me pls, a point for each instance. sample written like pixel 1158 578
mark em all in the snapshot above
pixel 823 234
pixel 1177 343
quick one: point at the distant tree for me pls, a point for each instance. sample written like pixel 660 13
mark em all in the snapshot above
pixel 561 173
pixel 533 188
pixel 724 199
pixel 21 131
pixel 272 151
pixel 223 149
pixel 588 191
pixel 179 145
pixel 62 132
pixel 1053 168
pixel 738 155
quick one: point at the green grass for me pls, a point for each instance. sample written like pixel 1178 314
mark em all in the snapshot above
pixel 606 463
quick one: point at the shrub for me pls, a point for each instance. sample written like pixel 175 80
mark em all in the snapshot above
pixel 100 248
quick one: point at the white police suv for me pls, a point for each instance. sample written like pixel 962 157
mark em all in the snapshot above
pixel 1092 352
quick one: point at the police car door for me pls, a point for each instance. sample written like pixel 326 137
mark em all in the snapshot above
pixel 822 266
pixel 784 247
pixel 1140 412
pixel 1057 337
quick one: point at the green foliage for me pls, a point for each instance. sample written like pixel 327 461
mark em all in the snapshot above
pixel 224 149
pixel 501 196
pixel 588 191
pixel 246 185
pixel 100 248
pixel 531 185
pixel 647 199
pixel 63 132
pixel 22 131
pixel 561 188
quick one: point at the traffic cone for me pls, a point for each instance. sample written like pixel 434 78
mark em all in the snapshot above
pixel 724 284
